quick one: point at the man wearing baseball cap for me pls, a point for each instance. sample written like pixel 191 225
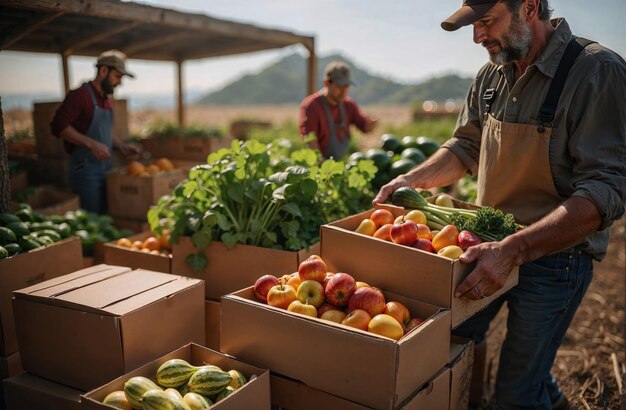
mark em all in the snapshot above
pixel 329 113
pixel 85 123
pixel 543 130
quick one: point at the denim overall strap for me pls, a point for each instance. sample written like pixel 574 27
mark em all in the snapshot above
pixel 336 147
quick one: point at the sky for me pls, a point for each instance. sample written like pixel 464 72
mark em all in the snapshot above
pixel 400 39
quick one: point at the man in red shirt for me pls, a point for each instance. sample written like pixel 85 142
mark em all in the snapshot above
pixel 85 123
pixel 329 113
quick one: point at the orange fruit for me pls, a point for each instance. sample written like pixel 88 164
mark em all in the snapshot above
pixel 144 174
pixel 125 242
pixel 155 252
pixel 152 244
pixel 145 250
pixel 164 164
pixel 165 239
pixel 137 244
pixel 153 169
pixel 135 168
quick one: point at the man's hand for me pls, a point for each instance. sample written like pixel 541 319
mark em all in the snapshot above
pixel 129 151
pixel 389 188
pixel 494 262
pixel 99 150
pixel 371 124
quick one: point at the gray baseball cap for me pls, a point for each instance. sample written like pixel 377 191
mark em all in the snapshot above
pixel 470 11
pixel 115 59
pixel 338 73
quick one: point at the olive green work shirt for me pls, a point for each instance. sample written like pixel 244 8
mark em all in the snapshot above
pixel 588 145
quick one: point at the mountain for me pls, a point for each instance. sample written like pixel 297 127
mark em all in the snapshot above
pixel 284 83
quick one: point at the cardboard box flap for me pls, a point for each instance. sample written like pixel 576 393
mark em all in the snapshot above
pixel 58 285
pixel 105 293
pixel 151 295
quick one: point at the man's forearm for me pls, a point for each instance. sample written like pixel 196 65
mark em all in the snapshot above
pixel 70 134
pixel 441 169
pixel 566 226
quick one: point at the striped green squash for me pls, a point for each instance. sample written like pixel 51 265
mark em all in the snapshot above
pixel 174 373
pixel 196 401
pixel 136 387
pixel 209 381
pixel 225 393
pixel 156 399
pixel 118 400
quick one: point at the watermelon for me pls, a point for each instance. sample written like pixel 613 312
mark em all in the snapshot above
pixel 427 145
pixel 174 373
pixel 409 142
pixel 414 154
pixel 401 167
pixel 390 142
pixel 136 387
pixel 380 158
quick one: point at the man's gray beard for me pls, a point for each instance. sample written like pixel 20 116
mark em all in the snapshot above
pixel 519 39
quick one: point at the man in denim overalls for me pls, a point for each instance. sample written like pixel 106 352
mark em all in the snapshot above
pixel 85 123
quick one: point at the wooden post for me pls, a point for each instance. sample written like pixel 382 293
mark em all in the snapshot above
pixel 181 104
pixel 66 72
pixel 5 182
pixel 312 69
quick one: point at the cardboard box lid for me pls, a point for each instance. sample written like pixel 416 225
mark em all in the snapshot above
pixel 109 290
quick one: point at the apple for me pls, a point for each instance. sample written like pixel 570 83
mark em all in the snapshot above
pixel 361 285
pixel 263 285
pixel 424 244
pixel 333 315
pixel 327 278
pixel 324 308
pixel 302 308
pixel 467 239
pixel 381 217
pixel 369 299
pixel 281 296
pixel 294 280
pixel 339 289
pixel 398 311
pixel 413 323
pixel 311 292
pixel 416 216
pixel 358 318
pixel 404 233
pixel 314 268
pixel 385 325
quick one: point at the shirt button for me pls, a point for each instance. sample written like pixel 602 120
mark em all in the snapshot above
pixel 514 99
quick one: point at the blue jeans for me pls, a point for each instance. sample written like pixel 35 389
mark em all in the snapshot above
pixel 88 181
pixel 541 308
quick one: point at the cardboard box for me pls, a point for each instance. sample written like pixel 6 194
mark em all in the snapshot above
pixel 461 359
pixel 29 268
pixel 289 394
pixel 49 146
pixel 131 196
pixel 120 255
pixel 10 365
pixel 91 326
pixel 229 270
pixel 27 392
pixel 401 269
pixel 47 200
pixel 356 365
pixel 252 396
pixel 212 311
pixel 187 148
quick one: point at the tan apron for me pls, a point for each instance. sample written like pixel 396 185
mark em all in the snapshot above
pixel 514 170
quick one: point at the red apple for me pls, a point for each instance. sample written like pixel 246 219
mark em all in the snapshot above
pixel 467 239
pixel 324 308
pixel 302 308
pixel 424 244
pixel 311 292
pixel 339 289
pixel 357 318
pixel 263 285
pixel 333 315
pixel 313 268
pixel 327 278
pixel 281 296
pixel 368 299
pixel 412 324
pixel 404 233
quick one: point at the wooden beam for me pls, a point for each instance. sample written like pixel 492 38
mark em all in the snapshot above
pixel 66 73
pixel 98 35
pixel 229 50
pixel 24 31
pixel 156 15
pixel 142 45
pixel 181 104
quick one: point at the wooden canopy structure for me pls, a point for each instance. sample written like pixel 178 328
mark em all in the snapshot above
pixel 88 27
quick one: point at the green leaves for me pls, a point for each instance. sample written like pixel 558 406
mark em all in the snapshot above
pixel 197 261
